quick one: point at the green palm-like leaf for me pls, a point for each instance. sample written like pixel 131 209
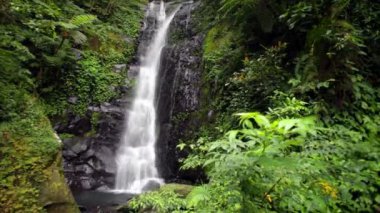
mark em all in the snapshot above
pixel 66 25
pixel 260 119
pixel 81 20
pixel 231 6
pixel 8 60
pixel 78 37
pixel 198 195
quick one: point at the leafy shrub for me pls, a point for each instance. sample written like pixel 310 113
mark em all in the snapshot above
pixel 252 86
pixel 332 165
pixel 245 166
pixel 161 201
pixel 92 83
pixel 27 147
pixel 288 164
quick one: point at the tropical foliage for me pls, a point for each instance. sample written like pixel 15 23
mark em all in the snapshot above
pixel 309 72
pixel 293 86
pixel 51 51
pixel 48 40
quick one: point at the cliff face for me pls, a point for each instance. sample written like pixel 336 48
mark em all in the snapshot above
pixel 179 91
pixel 89 158
pixel 31 175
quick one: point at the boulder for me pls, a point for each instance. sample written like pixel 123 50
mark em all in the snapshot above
pixel 89 154
pixel 151 185
pixel 84 168
pixel 133 72
pixel 72 100
pixel 181 189
pixel 77 144
pixel 55 195
pixel 119 68
pixel 73 124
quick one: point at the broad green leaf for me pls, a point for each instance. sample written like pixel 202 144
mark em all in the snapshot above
pixel 262 121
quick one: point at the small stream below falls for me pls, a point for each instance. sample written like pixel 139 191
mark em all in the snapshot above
pixel 100 201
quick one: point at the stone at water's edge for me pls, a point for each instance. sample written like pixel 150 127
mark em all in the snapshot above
pixel 55 195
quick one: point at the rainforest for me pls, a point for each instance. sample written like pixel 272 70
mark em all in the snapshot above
pixel 189 106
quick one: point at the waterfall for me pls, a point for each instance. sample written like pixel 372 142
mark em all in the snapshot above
pixel 136 158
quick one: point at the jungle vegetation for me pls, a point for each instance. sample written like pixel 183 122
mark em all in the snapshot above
pixel 297 109
pixel 55 57
pixel 294 85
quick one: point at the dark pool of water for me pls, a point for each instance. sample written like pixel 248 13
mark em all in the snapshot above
pixel 100 201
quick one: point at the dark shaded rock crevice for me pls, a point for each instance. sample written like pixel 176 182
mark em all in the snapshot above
pixel 89 157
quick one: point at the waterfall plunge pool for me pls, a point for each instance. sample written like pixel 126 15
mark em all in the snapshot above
pixel 100 201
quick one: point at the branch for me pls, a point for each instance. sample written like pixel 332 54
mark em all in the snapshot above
pixel 272 188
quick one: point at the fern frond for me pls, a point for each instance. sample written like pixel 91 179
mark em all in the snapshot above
pixel 197 195
pixel 8 60
pixel 232 6
pixel 81 20
pixel 78 37
pixel 65 25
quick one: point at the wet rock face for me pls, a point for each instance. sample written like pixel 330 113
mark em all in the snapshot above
pixel 89 156
pixel 178 92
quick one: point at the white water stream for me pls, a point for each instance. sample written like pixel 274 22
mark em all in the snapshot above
pixel 136 158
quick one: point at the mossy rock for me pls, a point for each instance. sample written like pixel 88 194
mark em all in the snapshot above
pixel 55 195
pixel 181 189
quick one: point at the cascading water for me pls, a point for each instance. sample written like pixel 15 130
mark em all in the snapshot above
pixel 136 166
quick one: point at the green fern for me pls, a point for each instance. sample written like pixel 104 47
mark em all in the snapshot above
pixel 82 20
pixel 198 195
pixel 8 61
pixel 233 6
pixel 161 201
pixel 78 37
pixel 77 22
